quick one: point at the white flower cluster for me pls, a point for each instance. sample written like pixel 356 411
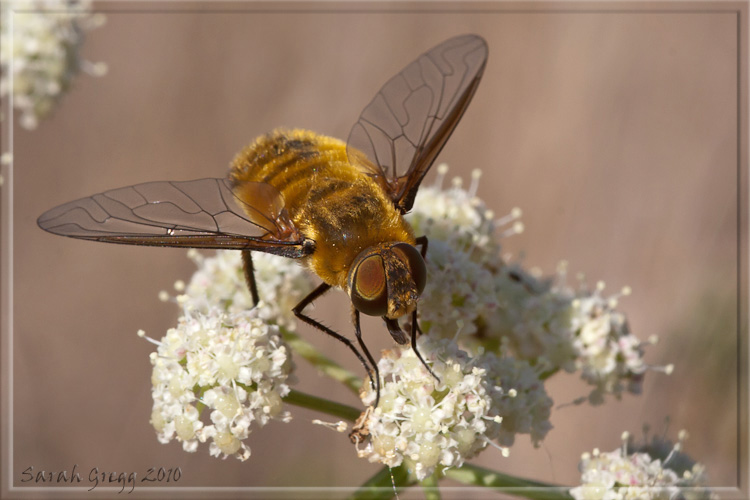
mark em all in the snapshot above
pixel 471 291
pixel 425 423
pixel 233 366
pixel 609 357
pixel 220 283
pixel 40 53
pixel 534 320
pixel 568 329
pixel 652 472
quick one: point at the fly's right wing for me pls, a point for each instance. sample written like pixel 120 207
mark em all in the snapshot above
pixel 204 213
pixel 401 132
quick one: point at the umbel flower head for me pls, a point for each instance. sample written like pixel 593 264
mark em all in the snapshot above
pixel 427 423
pixel 40 53
pixel 492 302
pixel 215 376
pixel 655 470
pixel 226 357
pixel 571 329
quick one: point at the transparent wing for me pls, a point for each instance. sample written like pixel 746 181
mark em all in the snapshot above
pixel 400 133
pixel 204 213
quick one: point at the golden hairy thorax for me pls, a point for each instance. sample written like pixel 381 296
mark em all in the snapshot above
pixel 329 201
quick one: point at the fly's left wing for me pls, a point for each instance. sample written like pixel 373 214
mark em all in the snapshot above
pixel 204 213
pixel 403 129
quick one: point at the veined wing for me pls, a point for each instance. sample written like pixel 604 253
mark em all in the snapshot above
pixel 406 125
pixel 204 213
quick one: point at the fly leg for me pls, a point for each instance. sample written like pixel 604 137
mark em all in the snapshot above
pixel 422 240
pixel 320 290
pixel 414 344
pixel 247 268
pixel 358 332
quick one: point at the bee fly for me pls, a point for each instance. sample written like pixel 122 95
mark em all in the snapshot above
pixel 337 207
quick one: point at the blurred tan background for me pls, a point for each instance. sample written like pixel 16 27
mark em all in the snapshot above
pixel 615 132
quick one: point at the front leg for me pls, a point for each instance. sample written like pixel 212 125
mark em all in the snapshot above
pixel 414 344
pixel 422 241
pixel 358 332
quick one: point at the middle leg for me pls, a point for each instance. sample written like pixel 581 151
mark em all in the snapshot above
pixel 320 290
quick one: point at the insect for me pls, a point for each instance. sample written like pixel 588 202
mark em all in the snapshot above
pixel 337 207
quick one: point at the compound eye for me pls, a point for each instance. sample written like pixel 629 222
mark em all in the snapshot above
pixel 369 292
pixel 414 262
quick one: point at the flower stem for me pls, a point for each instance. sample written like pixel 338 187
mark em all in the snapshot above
pixel 383 485
pixel 511 485
pixel 430 487
pixel 322 405
pixel 322 363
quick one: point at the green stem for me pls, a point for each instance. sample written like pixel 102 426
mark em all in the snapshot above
pixel 479 476
pixel 322 363
pixel 322 405
pixel 430 487
pixel 381 487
